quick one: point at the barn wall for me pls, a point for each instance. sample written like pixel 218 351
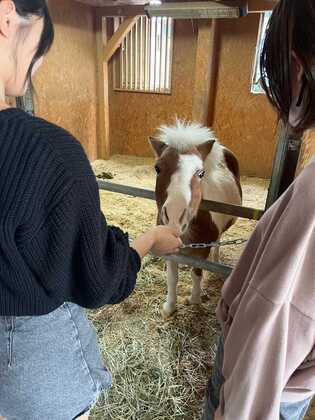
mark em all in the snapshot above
pixel 244 122
pixel 66 83
pixel 135 116
pixel 307 150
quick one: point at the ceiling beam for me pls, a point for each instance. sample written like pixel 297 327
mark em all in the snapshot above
pixel 199 9
pixel 259 6
pixel 125 11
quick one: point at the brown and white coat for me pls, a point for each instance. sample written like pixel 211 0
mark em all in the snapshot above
pixel 192 165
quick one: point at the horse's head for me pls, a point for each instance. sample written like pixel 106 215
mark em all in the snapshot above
pixel 181 151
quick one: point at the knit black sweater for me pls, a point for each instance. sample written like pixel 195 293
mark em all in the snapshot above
pixel 55 245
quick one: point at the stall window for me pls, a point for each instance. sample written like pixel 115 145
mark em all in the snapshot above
pixel 144 60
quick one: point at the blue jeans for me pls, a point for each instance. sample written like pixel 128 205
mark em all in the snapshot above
pixel 50 366
pixel 288 411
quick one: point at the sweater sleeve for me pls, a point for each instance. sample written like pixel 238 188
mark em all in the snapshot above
pixel 267 312
pixel 262 352
pixel 75 256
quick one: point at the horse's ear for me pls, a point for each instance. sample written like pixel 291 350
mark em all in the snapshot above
pixel 205 148
pixel 157 146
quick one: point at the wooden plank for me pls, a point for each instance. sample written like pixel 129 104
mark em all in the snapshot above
pixel 199 9
pixel 114 43
pixel 103 140
pixel 259 6
pixel 254 6
pixel 124 11
pixel 307 150
pixel 205 71
pixel 215 206
pixel 102 3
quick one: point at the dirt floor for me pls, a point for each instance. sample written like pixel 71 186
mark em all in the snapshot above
pixel 159 368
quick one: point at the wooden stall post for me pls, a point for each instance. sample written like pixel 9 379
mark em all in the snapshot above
pixel 105 50
pixel 103 143
pixel 205 72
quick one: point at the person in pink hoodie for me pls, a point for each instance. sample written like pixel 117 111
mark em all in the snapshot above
pixel 265 364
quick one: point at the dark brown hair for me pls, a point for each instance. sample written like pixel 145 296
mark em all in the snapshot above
pixel 29 8
pixel 291 28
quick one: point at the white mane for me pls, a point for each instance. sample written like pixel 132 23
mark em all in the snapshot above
pixel 184 135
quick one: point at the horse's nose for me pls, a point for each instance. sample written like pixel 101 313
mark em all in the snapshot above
pixel 178 219
pixel 165 217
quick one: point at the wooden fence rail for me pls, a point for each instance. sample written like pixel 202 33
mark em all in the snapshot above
pixel 238 211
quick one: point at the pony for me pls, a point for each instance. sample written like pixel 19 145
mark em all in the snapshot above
pixel 192 165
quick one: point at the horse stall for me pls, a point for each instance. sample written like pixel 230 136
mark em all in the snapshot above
pixel 118 71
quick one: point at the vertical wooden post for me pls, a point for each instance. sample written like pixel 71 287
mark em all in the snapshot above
pixel 103 146
pixel 205 73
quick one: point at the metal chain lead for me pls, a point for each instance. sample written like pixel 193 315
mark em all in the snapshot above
pixel 214 244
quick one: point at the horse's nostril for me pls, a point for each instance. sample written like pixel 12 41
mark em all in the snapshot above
pixel 184 227
pixel 166 215
pixel 182 216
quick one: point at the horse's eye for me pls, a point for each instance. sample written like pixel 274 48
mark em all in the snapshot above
pixel 157 169
pixel 201 174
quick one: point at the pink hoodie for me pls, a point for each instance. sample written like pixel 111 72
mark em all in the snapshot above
pixel 267 311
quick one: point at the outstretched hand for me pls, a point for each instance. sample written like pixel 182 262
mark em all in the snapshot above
pixel 161 240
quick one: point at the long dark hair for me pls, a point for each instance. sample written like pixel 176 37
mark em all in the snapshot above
pixel 291 29
pixel 29 8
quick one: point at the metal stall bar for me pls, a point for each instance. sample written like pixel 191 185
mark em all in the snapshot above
pixel 217 268
pixel 215 206
pixel 284 164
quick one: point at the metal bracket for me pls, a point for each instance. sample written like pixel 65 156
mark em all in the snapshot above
pixel 285 163
pixel 26 102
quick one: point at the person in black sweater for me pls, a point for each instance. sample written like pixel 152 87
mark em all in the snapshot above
pixel 57 253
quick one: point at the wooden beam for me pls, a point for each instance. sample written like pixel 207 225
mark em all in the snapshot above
pixel 205 71
pixel 103 143
pixel 307 150
pixel 114 43
pixel 125 11
pixel 259 6
pixel 210 9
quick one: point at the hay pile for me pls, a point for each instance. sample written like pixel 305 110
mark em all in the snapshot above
pixel 159 368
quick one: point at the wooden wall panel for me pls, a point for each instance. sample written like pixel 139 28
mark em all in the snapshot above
pixel 307 150
pixel 135 116
pixel 66 83
pixel 244 122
